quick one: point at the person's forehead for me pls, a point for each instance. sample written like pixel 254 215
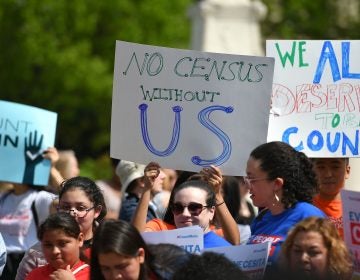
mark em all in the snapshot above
pixel 329 160
pixel 192 193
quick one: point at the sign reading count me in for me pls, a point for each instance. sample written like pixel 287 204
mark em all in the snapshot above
pixel 189 109
pixel 25 132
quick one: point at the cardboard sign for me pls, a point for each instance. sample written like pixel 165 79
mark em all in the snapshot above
pixel 351 219
pixel 190 238
pixel 25 132
pixel 252 258
pixel 189 109
pixel 316 96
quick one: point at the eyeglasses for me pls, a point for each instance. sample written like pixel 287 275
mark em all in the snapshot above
pixel 249 181
pixel 194 208
pixel 79 211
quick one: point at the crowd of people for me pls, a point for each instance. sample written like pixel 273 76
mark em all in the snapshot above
pixel 80 228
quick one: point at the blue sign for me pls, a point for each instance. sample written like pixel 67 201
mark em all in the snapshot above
pixel 25 132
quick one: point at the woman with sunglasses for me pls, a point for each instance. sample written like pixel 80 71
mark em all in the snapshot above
pixel 83 199
pixel 191 203
pixel 282 182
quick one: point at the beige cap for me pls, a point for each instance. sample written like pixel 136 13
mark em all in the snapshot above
pixel 128 171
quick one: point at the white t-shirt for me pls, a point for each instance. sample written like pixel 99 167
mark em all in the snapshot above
pixel 17 224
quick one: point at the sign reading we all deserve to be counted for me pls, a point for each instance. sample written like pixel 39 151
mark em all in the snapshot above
pixel 25 132
pixel 189 109
pixel 316 96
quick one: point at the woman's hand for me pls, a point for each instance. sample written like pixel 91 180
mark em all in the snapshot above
pixel 151 172
pixel 214 177
pixel 51 154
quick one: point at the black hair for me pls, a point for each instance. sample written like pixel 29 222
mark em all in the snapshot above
pixel 210 199
pixel 346 159
pixel 231 194
pixel 65 222
pixel 280 160
pixel 210 266
pixel 119 237
pixel 60 221
pixel 166 259
pixel 183 177
pixel 91 190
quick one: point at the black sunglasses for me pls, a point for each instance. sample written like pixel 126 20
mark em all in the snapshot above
pixel 194 208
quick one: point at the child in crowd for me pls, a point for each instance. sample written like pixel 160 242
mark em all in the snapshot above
pixel 119 252
pixel 22 209
pixel 83 199
pixel 61 240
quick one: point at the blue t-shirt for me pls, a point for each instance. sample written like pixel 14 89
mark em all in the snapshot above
pixel 212 240
pixel 274 228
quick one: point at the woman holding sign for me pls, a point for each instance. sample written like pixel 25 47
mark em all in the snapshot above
pixel 283 183
pixel 191 203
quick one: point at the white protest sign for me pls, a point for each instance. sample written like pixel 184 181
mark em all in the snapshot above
pixel 351 219
pixel 190 238
pixel 316 96
pixel 188 109
pixel 252 258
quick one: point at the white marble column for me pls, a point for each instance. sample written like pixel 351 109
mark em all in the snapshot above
pixel 229 26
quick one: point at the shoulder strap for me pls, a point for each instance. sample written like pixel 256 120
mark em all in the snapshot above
pixel 35 215
pixel 81 267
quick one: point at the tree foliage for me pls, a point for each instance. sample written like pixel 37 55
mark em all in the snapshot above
pixel 58 55
pixel 312 19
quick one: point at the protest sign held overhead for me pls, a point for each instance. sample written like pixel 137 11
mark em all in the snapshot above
pixel 188 109
pixel 316 96
pixel 25 132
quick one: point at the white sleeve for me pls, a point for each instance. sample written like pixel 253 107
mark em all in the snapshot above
pixel 2 254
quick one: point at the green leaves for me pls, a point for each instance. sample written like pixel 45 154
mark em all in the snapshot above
pixel 59 55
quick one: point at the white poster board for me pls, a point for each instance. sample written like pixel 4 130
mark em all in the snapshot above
pixel 188 109
pixel 351 218
pixel 190 238
pixel 251 259
pixel 316 96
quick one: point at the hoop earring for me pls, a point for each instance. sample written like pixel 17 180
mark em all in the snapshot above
pixel 277 200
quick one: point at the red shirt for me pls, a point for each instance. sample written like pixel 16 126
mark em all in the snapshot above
pixel 80 270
